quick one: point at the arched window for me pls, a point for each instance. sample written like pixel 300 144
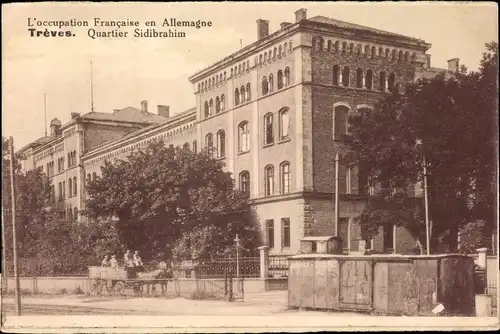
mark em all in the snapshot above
pixel 244 137
pixel 221 144
pixel 351 48
pixel 236 97
pixel 70 187
pixel 217 80
pixel 336 74
pixel 407 56
pixel 287 76
pixel 209 141
pixel 373 54
pixel 265 86
pixel 344 47
pixel 367 50
pixel 285 177
pixel 280 79
pixel 413 56
pixel 94 176
pixel 381 52
pixel 195 146
pixel 265 57
pixel 245 182
pixel 242 94
pixel 89 177
pixel 329 46
pixel 345 76
pixel 271 83
pixel 248 65
pixel 274 53
pixel 249 96
pixel 369 79
pixel 383 81
pixel 206 110
pixel 243 67
pixel 340 119
pixel 70 214
pixel 217 105
pixel 269 56
pixel 336 47
pixel 75 190
pixel 394 55
pixel 284 124
pixel 391 82
pixel 387 51
pixel 268 129
pixel 222 102
pixel 359 78
pixel 260 59
pixel 75 214
pixel 211 107
pixel 359 49
pixel 269 180
pixel 280 51
pixel 239 68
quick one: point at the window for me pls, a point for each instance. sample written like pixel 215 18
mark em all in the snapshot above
pixel 389 237
pixel 373 54
pixel 94 176
pixel 285 222
pixel 69 160
pixel 280 79
pixel 285 177
pixel 369 79
pixel 244 137
pixel 217 105
pixel 75 214
pixel 64 189
pixel 75 190
pixel 359 78
pixel 195 146
pixel 221 144
pixel 242 94
pixel 287 76
pixel 340 121
pixel 383 82
pixel 265 86
pixel 269 180
pixel 270 232
pixel 89 178
pixel 343 226
pixel 60 191
pixel 348 183
pixel 245 182
pixel 70 214
pixel 186 146
pixel 284 124
pixel 211 107
pixel 249 96
pixel 345 76
pixel 271 83
pixel 222 102
pixel 206 110
pixel 236 97
pixel 268 129
pixel 209 141
pixel 336 74
pixel 391 82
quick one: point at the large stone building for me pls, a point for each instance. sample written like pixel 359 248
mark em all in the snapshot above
pixel 275 112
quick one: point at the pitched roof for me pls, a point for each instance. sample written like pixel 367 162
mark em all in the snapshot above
pixel 128 114
pixel 348 25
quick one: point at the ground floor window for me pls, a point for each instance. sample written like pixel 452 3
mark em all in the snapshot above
pixel 285 222
pixel 270 232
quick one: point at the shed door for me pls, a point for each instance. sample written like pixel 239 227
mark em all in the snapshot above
pixel 356 288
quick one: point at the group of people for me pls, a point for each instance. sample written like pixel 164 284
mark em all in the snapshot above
pixel 129 260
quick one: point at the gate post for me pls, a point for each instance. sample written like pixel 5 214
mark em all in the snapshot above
pixel 264 261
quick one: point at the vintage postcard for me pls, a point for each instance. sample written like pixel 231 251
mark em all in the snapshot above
pixel 249 166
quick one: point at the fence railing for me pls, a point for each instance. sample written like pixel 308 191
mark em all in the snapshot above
pixel 278 266
pixel 217 268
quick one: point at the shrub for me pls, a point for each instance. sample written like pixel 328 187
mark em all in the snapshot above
pixel 63 291
pixel 77 291
pixel 203 295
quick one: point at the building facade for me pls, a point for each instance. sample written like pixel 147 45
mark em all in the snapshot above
pixel 275 112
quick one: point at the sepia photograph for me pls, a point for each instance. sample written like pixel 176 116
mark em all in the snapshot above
pixel 249 166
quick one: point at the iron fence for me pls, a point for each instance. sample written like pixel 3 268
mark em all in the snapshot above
pixel 218 268
pixel 278 266
pixel 491 289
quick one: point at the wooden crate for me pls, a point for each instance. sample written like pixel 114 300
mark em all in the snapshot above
pixel 107 273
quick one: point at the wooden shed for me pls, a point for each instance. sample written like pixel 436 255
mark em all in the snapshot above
pixel 383 284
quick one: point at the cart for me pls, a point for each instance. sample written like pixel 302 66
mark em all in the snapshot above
pixel 116 280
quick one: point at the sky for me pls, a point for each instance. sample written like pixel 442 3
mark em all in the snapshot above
pixel 129 70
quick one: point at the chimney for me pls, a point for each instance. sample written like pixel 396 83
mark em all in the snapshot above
pixel 262 29
pixel 75 115
pixel 116 110
pixel 300 15
pixel 454 64
pixel 164 111
pixel 427 61
pixel 283 25
pixel 144 106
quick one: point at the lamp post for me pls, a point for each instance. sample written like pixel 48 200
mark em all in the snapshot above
pixel 336 204
pixel 426 204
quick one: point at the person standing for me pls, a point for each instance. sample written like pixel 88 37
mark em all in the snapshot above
pixel 127 259
pixel 113 263
pixel 105 261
